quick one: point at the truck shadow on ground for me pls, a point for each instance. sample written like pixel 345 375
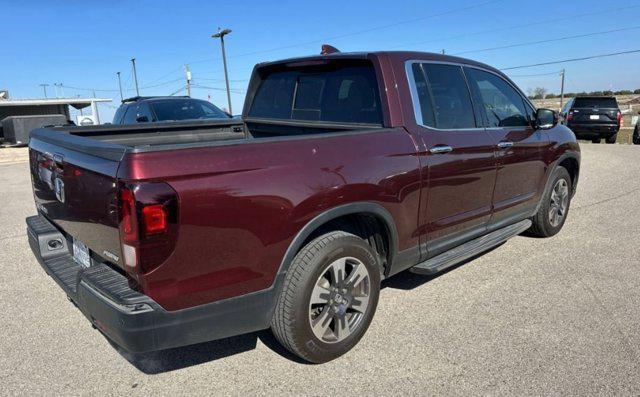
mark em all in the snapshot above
pixel 183 357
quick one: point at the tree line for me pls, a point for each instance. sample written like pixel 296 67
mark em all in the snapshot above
pixel 542 93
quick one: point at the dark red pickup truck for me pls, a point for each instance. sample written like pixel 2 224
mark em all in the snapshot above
pixel 345 169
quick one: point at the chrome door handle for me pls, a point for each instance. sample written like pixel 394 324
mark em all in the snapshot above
pixel 505 144
pixel 439 149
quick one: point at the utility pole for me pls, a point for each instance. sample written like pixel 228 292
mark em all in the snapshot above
pixel 120 86
pixel 188 76
pixel 562 90
pixel 61 92
pixel 443 52
pixel 220 35
pixel 135 76
pixel 44 87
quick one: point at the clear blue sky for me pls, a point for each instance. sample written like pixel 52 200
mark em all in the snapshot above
pixel 83 44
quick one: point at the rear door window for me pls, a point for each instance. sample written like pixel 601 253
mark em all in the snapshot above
pixel 603 103
pixel 346 93
pixel 450 96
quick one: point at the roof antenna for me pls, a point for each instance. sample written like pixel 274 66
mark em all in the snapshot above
pixel 327 49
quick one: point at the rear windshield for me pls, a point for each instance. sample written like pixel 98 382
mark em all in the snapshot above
pixel 187 109
pixel 346 93
pixel 609 103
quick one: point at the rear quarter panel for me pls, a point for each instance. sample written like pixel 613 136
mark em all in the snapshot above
pixel 241 205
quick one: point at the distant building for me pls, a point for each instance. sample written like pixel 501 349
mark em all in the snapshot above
pixel 22 112
pixel 33 107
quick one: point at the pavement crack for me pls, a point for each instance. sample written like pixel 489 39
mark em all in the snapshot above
pixel 607 199
pixel 626 341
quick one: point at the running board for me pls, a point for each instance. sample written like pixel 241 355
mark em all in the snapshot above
pixel 470 249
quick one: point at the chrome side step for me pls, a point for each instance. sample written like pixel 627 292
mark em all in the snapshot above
pixel 470 249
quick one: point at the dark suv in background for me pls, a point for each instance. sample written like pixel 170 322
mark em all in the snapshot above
pixel 593 117
pixel 162 109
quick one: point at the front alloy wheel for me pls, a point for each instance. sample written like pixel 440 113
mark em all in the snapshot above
pixel 559 202
pixel 554 205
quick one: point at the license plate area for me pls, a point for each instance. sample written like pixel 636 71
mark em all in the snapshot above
pixel 594 117
pixel 81 253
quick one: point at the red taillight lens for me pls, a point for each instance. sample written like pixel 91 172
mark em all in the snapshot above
pixel 148 215
pixel 154 219
pixel 570 115
pixel 619 118
pixel 128 221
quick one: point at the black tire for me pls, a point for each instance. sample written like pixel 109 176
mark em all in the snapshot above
pixel 595 140
pixel 291 320
pixel 542 225
pixel 636 136
pixel 612 138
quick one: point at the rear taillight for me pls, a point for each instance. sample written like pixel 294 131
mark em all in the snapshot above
pixel 148 220
pixel 154 219
pixel 619 116
pixel 570 115
pixel 128 221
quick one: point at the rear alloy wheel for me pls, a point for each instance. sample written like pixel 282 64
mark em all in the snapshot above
pixel 554 207
pixel 339 299
pixel 329 297
pixel 612 138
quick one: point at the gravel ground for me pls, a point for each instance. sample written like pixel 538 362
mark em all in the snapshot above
pixel 556 316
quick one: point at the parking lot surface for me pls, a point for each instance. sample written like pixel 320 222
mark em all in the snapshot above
pixel 533 316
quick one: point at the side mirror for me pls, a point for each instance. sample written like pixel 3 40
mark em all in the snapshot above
pixel 142 119
pixel 546 119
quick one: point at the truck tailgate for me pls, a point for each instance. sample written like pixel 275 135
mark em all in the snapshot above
pixel 75 187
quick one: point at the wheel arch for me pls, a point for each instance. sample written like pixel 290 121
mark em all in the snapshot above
pixel 567 159
pixel 330 216
pixel 571 162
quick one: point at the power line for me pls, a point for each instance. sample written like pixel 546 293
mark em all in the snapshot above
pixel 222 80
pixel 166 75
pixel 519 26
pixel 236 90
pixel 536 23
pixel 359 32
pixel 537 74
pixel 175 92
pixel 124 89
pixel 572 60
pixel 549 40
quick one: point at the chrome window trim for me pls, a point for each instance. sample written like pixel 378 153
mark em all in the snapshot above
pixel 415 100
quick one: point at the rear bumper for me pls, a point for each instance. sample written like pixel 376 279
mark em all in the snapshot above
pixel 133 320
pixel 594 130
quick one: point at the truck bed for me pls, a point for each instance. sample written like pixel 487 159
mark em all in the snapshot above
pixel 113 141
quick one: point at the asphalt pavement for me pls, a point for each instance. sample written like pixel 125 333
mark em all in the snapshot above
pixel 557 316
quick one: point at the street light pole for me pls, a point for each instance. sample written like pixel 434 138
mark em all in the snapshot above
pixel 220 35
pixel 120 86
pixel 135 76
